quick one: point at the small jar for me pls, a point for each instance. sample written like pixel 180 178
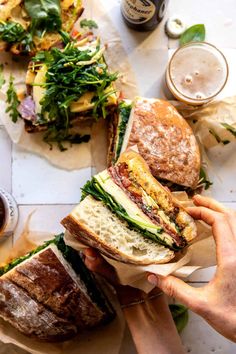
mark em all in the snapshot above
pixel 8 214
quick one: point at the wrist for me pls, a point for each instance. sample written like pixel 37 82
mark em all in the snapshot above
pixel 129 296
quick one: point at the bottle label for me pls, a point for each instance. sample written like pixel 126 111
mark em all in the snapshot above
pixel 138 11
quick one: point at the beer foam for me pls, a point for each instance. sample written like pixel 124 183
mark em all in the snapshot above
pixel 198 71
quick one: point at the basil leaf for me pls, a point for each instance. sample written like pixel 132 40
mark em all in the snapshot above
pixel 2 80
pixel 180 316
pixel 45 15
pixel 88 23
pixel 195 33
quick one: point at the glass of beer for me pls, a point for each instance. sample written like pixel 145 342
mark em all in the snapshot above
pixel 196 73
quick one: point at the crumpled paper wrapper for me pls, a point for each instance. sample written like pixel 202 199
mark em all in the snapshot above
pixel 207 121
pixel 201 254
pixel 104 340
pixel 78 155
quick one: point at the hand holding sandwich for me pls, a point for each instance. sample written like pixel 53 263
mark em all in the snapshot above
pixel 150 321
pixel 215 302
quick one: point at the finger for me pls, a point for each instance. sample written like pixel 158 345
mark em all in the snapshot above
pixel 178 289
pixel 97 264
pixel 221 231
pixel 201 213
pixel 208 203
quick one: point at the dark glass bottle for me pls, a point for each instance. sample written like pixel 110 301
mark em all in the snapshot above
pixel 143 15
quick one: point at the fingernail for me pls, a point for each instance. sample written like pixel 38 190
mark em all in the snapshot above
pixel 153 279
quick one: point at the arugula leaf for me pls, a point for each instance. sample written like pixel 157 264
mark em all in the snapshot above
pixel 230 128
pixel 2 80
pixel 45 15
pixel 203 180
pixel 93 188
pixel 195 33
pixel 71 73
pixel 180 316
pixel 88 23
pixel 218 138
pixel 12 101
pixel 11 32
pixel 124 110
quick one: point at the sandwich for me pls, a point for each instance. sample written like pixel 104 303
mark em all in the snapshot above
pixel 50 295
pixel 66 87
pixel 163 138
pixel 29 26
pixel 128 215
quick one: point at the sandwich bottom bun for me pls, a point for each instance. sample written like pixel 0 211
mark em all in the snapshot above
pixel 95 225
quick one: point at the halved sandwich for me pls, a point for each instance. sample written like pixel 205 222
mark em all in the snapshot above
pixel 163 138
pixel 128 215
pixel 29 26
pixel 66 87
pixel 50 295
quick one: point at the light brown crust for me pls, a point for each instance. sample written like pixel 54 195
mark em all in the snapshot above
pixel 89 238
pixel 166 141
pixel 140 171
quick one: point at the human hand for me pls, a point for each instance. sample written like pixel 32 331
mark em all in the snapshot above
pixel 215 302
pixel 97 264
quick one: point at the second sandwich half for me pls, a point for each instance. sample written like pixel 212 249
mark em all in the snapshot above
pixel 129 216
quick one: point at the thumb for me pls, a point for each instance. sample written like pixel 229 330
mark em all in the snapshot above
pixel 174 287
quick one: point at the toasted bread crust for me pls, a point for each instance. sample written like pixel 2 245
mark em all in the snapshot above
pixel 88 237
pixel 165 140
pixel 141 172
pixel 48 282
pixel 30 317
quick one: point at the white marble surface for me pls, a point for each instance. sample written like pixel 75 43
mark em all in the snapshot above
pixel 51 192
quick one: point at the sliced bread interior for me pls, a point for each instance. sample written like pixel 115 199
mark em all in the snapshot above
pixel 95 225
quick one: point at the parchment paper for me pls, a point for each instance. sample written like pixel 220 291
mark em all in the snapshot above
pixel 200 254
pixel 77 156
pixel 210 117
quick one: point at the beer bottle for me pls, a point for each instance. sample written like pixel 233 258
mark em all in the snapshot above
pixel 143 15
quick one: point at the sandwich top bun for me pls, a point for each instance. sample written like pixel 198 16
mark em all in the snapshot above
pixel 165 140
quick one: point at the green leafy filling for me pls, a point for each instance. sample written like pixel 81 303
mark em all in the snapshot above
pixel 88 24
pixel 180 316
pixel 45 16
pixel 203 180
pixel 124 110
pixel 71 73
pixel 195 33
pixel 75 261
pixel 13 32
pixel 12 101
pixel 93 188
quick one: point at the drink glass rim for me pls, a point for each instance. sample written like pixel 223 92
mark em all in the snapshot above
pixel 189 45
